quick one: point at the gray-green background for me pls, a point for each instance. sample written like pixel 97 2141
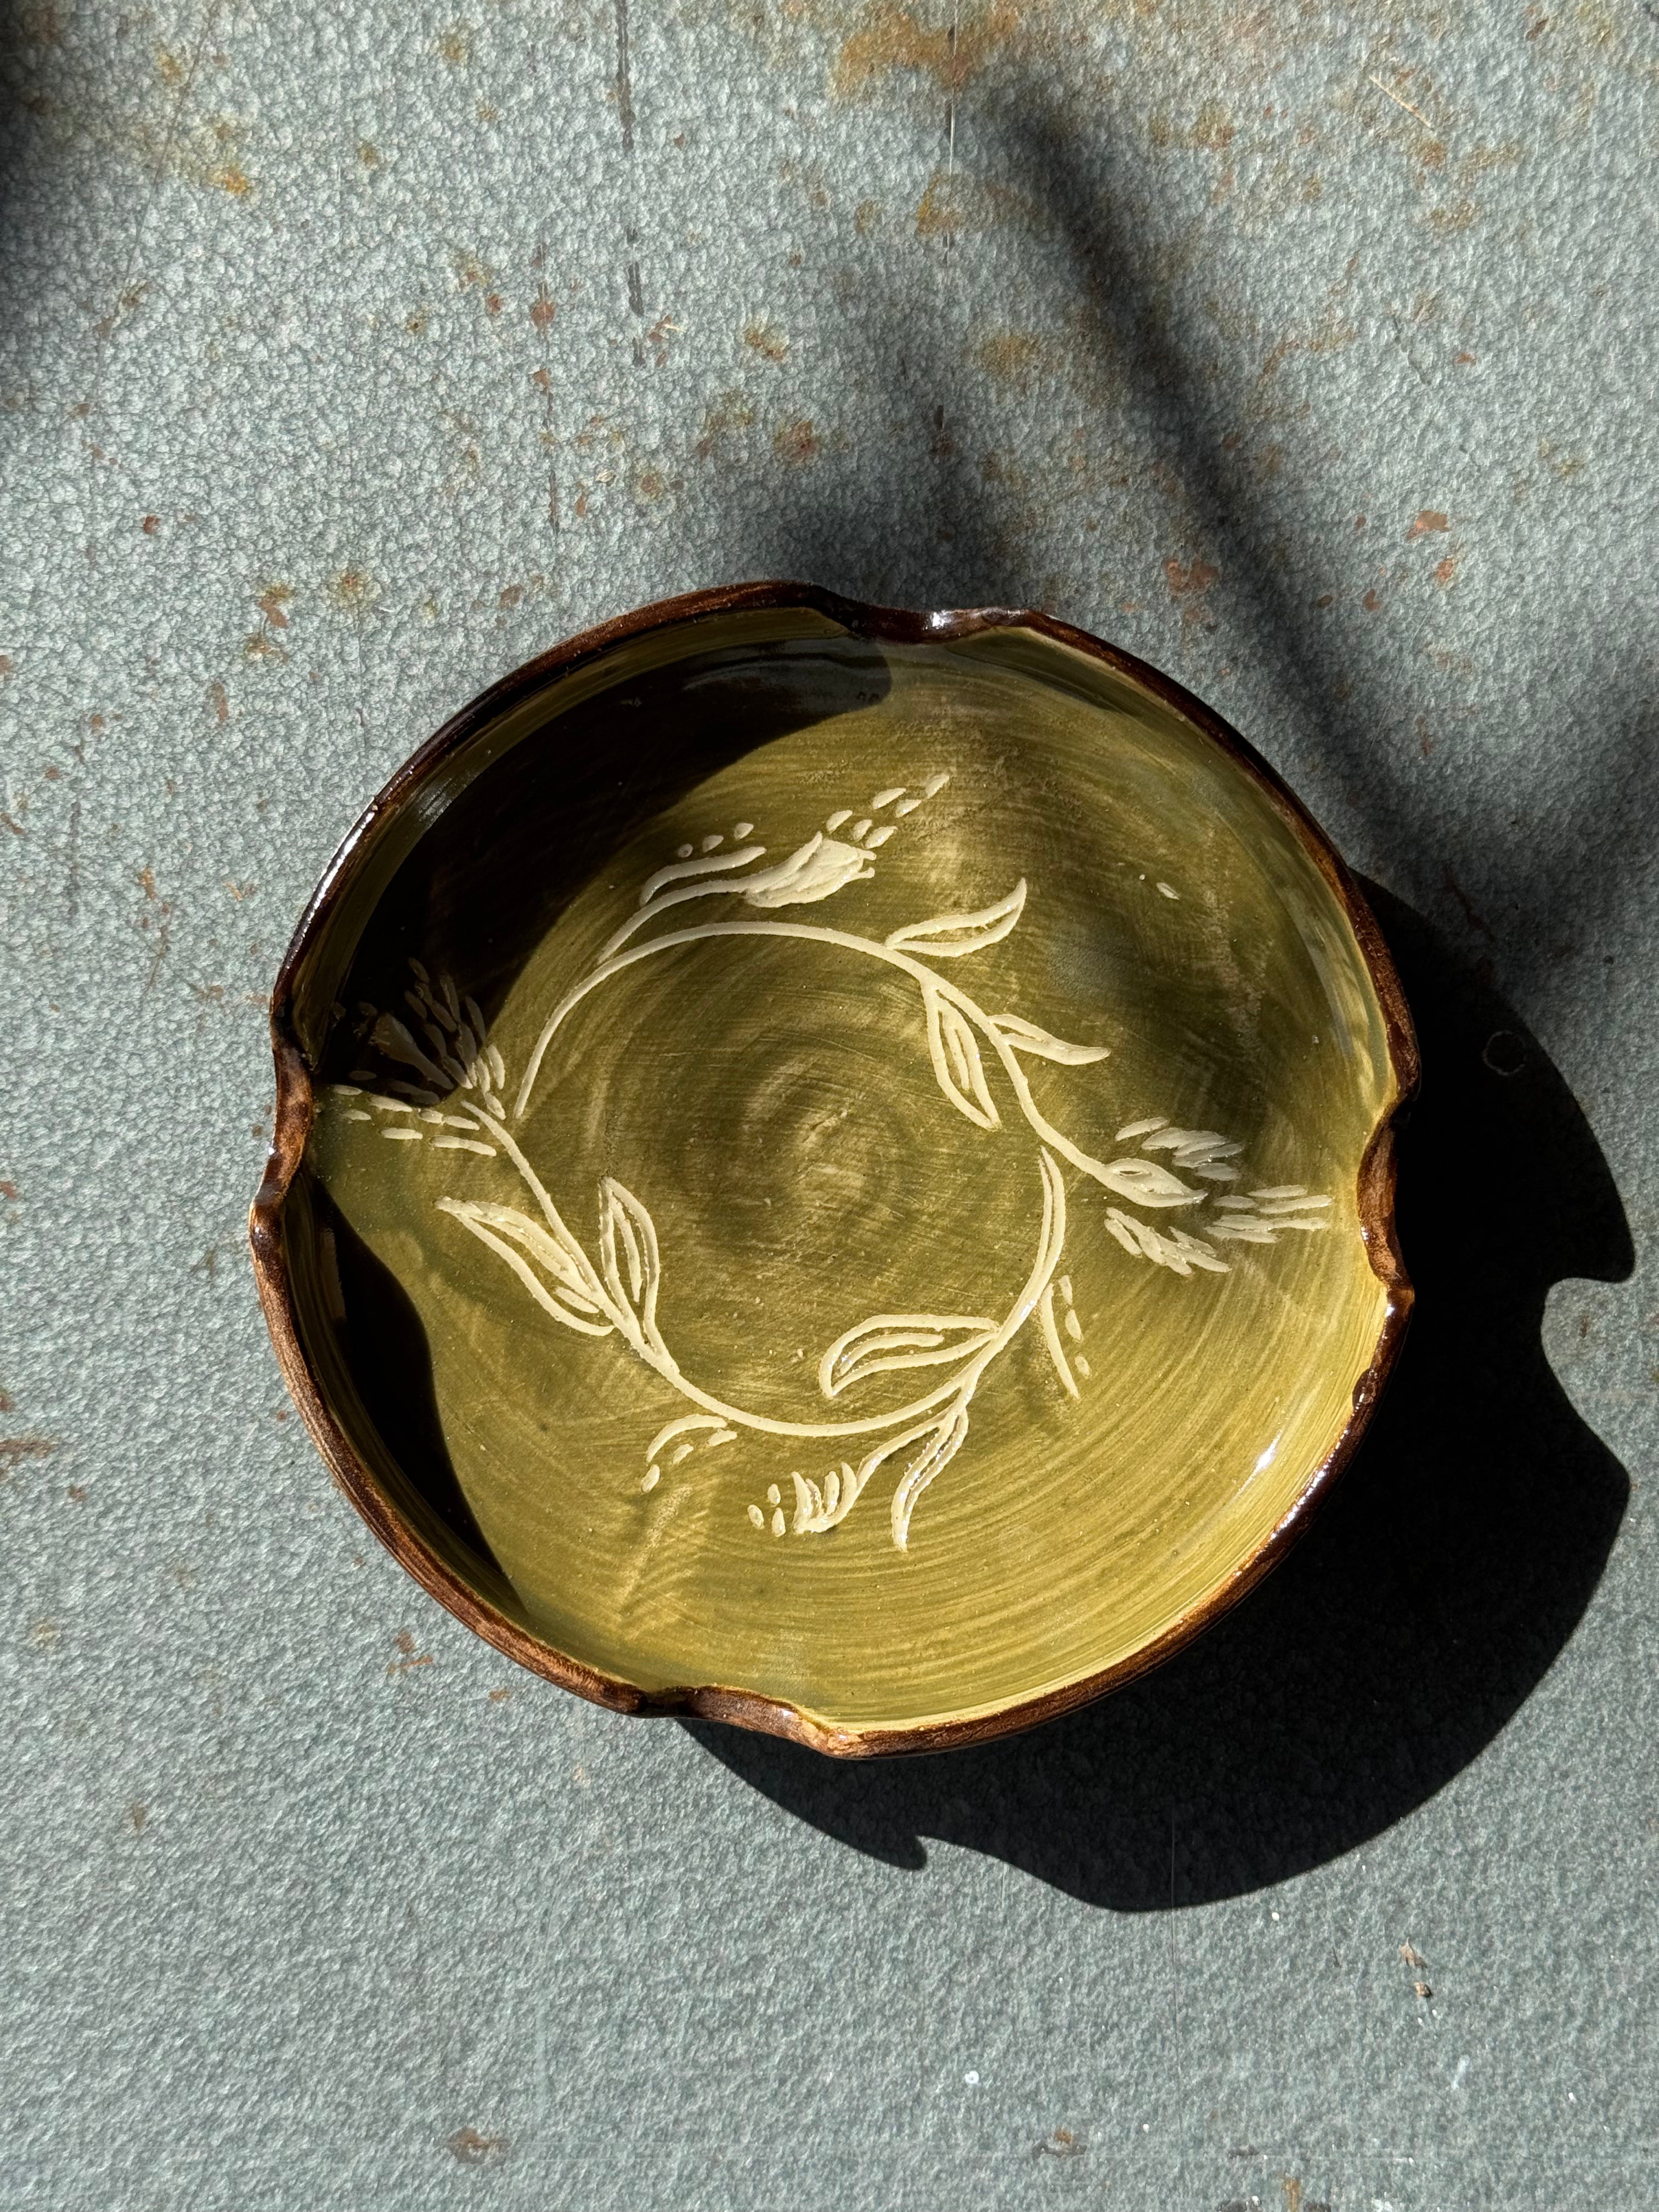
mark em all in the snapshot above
pixel 350 355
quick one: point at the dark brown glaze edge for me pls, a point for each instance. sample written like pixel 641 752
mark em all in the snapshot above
pixel 295 1104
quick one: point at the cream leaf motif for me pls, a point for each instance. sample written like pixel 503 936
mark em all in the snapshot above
pixel 953 936
pixel 887 1342
pixel 573 1296
pixel 815 871
pixel 1147 1183
pixel 820 1509
pixel 957 1062
pixel 627 1246
pixel 1026 1036
pixel 939 1442
pixel 456 1102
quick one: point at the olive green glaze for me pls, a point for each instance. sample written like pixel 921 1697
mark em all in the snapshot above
pixel 837 1081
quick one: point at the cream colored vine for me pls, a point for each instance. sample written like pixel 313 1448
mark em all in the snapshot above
pixel 453 1086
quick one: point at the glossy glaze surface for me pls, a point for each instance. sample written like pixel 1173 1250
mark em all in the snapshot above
pixel 848 1169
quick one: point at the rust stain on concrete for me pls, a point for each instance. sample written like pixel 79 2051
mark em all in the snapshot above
pixel 767 340
pixel 1190 582
pixel 955 203
pixel 407 1658
pixel 1211 131
pixel 272 601
pixel 886 40
pixel 797 442
pixel 724 416
pixel 473 2148
pixel 1012 357
pixel 354 590
pixel 14 1449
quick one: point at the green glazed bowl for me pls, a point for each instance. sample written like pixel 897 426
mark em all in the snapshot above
pixel 833 1167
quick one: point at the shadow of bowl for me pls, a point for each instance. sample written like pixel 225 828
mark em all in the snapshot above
pixel 1434 1591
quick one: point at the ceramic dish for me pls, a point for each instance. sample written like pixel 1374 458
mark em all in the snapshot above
pixel 833 1167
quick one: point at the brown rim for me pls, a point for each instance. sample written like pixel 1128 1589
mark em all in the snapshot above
pixel 296 1101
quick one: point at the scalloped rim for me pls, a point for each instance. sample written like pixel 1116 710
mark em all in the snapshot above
pixel 296 1104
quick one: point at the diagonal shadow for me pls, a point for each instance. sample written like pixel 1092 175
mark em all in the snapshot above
pixel 1544 888
pixel 14 84
pixel 1554 859
pixel 30 36
pixel 1458 1552
pixel 1454 1560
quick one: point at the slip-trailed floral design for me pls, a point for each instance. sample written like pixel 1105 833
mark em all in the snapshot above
pixel 445 1084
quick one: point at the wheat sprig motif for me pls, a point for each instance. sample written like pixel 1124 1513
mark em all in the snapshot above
pixel 447 1084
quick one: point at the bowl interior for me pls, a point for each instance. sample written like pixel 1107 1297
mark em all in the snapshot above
pixel 835 1169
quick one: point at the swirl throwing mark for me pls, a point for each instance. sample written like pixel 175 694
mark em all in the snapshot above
pixel 974 1055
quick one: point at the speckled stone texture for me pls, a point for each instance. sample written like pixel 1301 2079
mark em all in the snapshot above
pixel 350 355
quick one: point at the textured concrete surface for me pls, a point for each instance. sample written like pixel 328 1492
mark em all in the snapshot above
pixel 348 356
